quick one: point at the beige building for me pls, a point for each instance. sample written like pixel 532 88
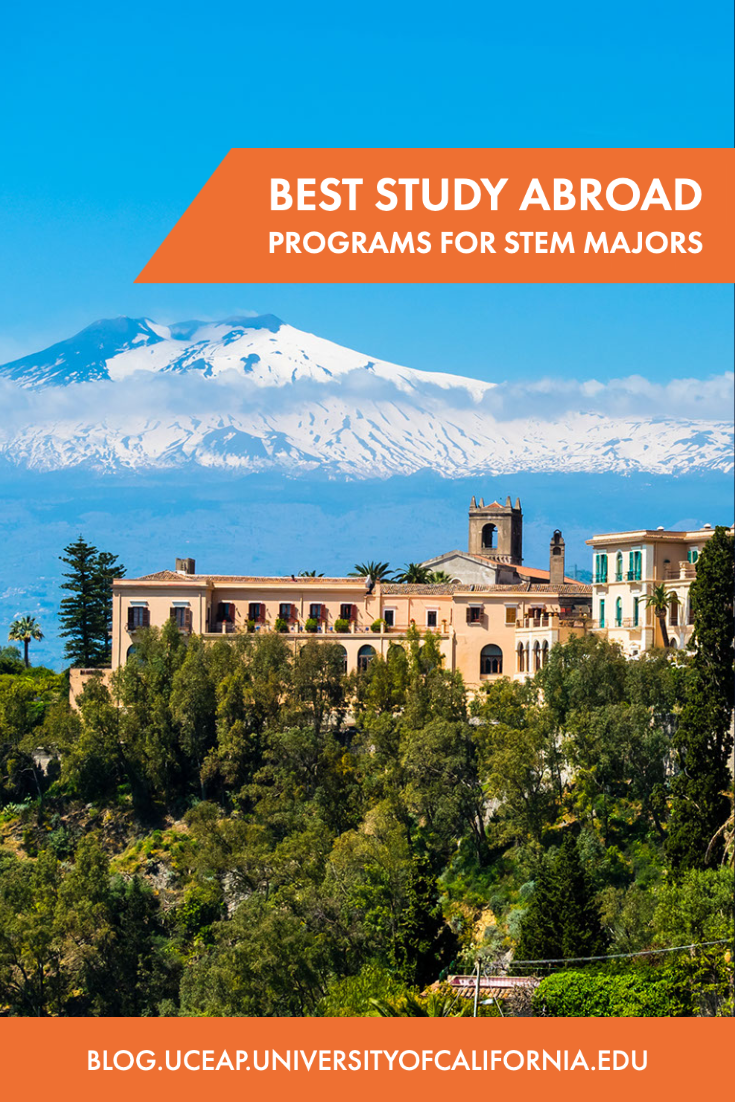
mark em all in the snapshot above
pixel 626 567
pixel 484 631
pixel 500 622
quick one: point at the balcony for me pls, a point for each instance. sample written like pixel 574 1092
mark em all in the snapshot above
pixel 680 571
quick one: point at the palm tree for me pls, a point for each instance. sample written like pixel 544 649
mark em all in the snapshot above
pixel 660 600
pixel 310 574
pixel 375 571
pixel 23 630
pixel 414 573
pixel 440 577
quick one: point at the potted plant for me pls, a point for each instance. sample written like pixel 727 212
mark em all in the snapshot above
pixel 281 624
pixel 342 626
pixel 378 625
pixel 312 624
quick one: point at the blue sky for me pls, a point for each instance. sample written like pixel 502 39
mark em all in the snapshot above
pixel 113 116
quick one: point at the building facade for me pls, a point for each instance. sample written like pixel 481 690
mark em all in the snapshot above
pixel 625 569
pixel 485 632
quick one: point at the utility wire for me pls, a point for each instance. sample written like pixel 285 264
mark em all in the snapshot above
pixel 617 956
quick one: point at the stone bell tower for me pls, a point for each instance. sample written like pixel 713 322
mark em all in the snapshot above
pixel 556 559
pixel 496 531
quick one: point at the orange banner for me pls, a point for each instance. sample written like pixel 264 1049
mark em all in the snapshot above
pixel 457 216
pixel 330 1059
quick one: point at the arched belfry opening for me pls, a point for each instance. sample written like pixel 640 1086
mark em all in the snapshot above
pixel 489 537
pixel 496 531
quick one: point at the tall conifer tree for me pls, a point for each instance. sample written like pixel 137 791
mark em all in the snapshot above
pixel 562 919
pixel 703 741
pixel 86 614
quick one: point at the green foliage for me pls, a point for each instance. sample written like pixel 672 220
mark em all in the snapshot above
pixel 562 918
pixel 643 993
pixel 311 624
pixel 374 571
pixel 86 614
pixel 342 626
pixel 240 828
pixel 703 739
pixel 378 626
pixel 24 630
pixel 281 624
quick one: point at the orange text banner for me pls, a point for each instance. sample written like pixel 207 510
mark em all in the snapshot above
pixel 457 216
pixel 328 1060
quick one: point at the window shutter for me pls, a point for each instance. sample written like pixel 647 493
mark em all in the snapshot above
pixel 146 618
pixel 188 619
pixel 131 619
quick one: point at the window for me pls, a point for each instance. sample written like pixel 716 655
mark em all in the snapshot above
pixel 286 612
pixel 536 656
pixel 474 614
pixel 488 537
pixel 344 659
pixel 619 567
pixel 690 611
pixel 316 612
pixel 365 656
pixel 521 655
pixel 510 615
pixel 182 616
pixel 545 653
pixel 432 617
pixel 225 612
pixel 692 555
pixel 600 569
pixel 347 612
pixel 602 614
pixel 138 617
pixel 619 612
pixel 636 612
pixel 256 612
pixel 674 611
pixel 635 564
pixel 491 660
pixel 389 615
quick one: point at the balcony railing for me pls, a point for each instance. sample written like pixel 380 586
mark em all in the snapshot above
pixel 680 571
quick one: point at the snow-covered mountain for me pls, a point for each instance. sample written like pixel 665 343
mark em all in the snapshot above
pixel 254 394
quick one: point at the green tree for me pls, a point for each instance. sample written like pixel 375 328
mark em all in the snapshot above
pixel 414 573
pixel 86 614
pixel 23 630
pixel 562 919
pixel 375 571
pixel 660 600
pixel 703 743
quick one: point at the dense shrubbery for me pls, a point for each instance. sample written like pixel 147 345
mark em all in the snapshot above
pixel 237 829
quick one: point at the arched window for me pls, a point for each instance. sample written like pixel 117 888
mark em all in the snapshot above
pixel 674 611
pixel 545 652
pixel 488 537
pixel 619 612
pixel 131 651
pixel 365 656
pixel 491 660
pixel 536 656
pixel 619 567
pixel 344 657
pixel 521 656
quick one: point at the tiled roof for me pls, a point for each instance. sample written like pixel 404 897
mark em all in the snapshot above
pixel 240 579
pixel 569 588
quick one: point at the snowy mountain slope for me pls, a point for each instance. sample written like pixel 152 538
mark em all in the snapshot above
pixel 255 394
